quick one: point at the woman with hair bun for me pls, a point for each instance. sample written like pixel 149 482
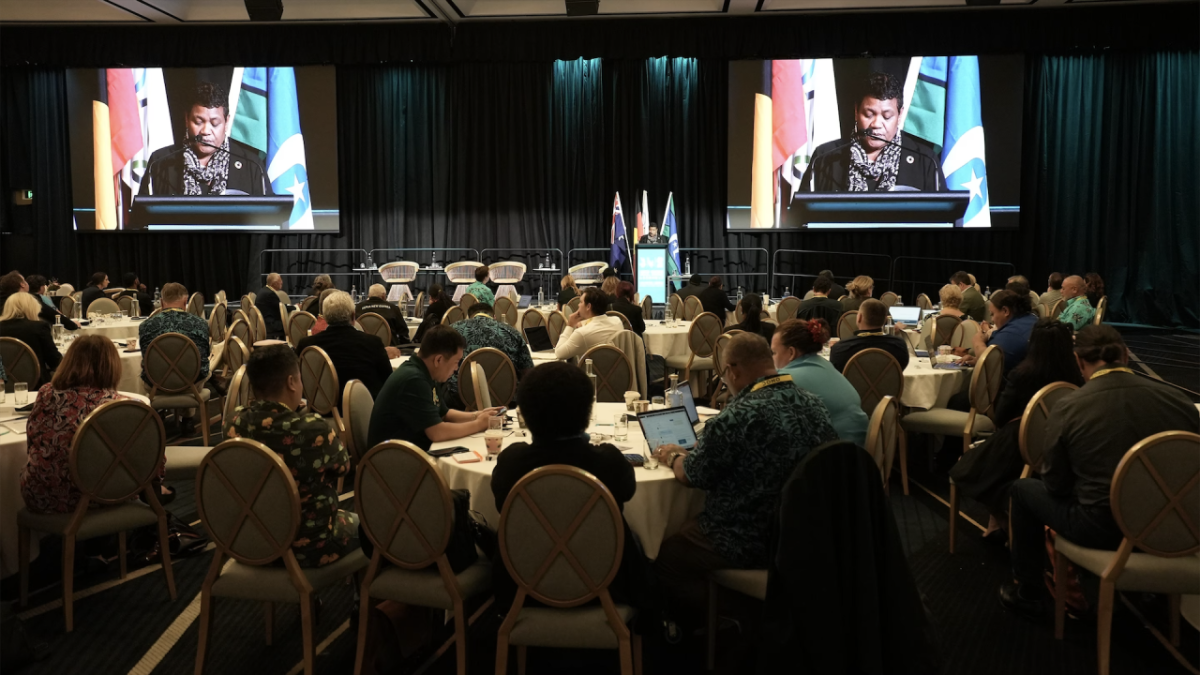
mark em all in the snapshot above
pixel 796 347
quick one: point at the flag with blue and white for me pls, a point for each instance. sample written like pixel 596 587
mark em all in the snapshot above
pixel 671 230
pixel 619 248
pixel 267 117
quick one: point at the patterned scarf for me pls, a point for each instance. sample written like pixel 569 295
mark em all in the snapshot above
pixel 884 169
pixel 214 175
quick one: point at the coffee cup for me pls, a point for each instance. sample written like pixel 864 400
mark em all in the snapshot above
pixel 631 397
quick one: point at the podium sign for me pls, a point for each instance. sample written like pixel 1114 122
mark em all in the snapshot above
pixel 652 272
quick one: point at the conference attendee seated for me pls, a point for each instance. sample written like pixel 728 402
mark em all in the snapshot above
pixel 483 330
pixel 175 319
pixel 857 291
pixel 439 303
pixel 950 298
pixel 320 325
pixel 626 306
pixel 307 445
pixel 871 316
pixel 1054 290
pixel 94 291
pixel 609 286
pixel 134 288
pixel 1078 310
pixel 377 303
pixel 715 300
pixel 820 305
pixel 796 348
pixel 752 320
pixel 355 355
pixel 86 379
pixel 410 407
pixel 986 473
pixel 1020 279
pixel 836 290
pixel 322 283
pixel 1089 433
pixel 1013 320
pixel 569 291
pixel 556 401
pixel 588 326
pixel 479 289
pixel 694 285
pixel 19 320
pixel 973 304
pixel 1094 286
pixel 13 282
pixel 742 460
pixel 267 301
pixel 37 285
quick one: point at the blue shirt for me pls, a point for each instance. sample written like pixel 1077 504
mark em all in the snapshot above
pixel 1013 338
pixel 813 373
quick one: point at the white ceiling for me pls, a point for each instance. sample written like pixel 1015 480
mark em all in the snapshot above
pixel 452 11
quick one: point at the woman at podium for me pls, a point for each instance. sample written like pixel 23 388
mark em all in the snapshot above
pixel 206 163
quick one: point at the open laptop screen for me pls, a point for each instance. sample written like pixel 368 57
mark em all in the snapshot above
pixel 906 315
pixel 689 403
pixel 672 425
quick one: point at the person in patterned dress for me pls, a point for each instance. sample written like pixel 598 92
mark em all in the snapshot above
pixel 483 330
pixel 86 379
pixel 742 460
pixel 307 445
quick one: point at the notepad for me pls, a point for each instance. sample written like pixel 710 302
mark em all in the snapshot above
pixel 468 457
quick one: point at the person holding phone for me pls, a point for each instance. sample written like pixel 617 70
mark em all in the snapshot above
pixel 411 406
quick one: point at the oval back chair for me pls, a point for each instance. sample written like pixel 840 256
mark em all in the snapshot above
pixel 129 305
pixel 889 299
pixel 924 302
pixel 195 304
pixel 675 304
pixel 172 364
pixel 1057 308
pixel 467 301
pixel 298 325
pixel 944 327
pixel 624 320
pixel 614 373
pixel 320 381
pixel 236 353
pixel 1101 310
pixel 506 311
pixel 555 324
pixel 376 325
pixel 20 364
pixel 692 309
pixel 500 378
pixel 357 406
pixel 241 329
pixel 847 325
pixel 532 317
pixel 453 315
pixel 102 306
pixel 883 435
pixel 647 307
pixel 874 373
pixel 787 308
pixel 237 395
pixel 1032 433
pixel 216 322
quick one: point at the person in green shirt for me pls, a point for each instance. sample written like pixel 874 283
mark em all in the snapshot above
pixel 411 406
pixel 796 347
pixel 479 289
pixel 973 304
pixel 1078 311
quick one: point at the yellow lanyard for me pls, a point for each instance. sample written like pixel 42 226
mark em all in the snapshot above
pixel 1112 370
pixel 771 381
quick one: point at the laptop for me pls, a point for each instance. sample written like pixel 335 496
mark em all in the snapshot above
pixel 689 403
pixel 539 339
pixel 672 425
pixel 907 315
pixel 523 301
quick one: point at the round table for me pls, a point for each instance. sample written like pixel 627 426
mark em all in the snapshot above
pixel 659 507
pixel 115 330
pixel 131 367
pixel 667 341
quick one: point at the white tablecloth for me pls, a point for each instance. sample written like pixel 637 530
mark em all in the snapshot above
pixel 667 341
pixel 131 368
pixel 116 330
pixel 658 509
pixel 927 388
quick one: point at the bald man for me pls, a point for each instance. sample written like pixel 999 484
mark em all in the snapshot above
pixel 1078 312
pixel 268 301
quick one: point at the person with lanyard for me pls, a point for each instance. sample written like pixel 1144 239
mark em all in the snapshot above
pixel 1078 311
pixel 411 407
pixel 871 315
pixel 1089 433
pixel 742 460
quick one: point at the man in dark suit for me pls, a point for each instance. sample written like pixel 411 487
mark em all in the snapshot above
pixel 693 287
pixel 377 303
pixel 355 355
pixel 652 236
pixel 820 305
pixel 714 299
pixel 871 315
pixel 268 302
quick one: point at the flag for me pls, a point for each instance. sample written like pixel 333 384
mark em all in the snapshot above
pixel 788 118
pixel 670 230
pixel 124 118
pixel 155 122
pixel 643 228
pixel 268 119
pixel 963 161
pixel 925 116
pixel 762 173
pixel 619 251
pixel 102 168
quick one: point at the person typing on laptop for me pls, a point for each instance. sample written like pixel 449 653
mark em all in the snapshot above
pixel 742 461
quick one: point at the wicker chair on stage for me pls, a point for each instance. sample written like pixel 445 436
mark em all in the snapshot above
pixel 587 274
pixel 507 274
pixel 461 274
pixel 398 275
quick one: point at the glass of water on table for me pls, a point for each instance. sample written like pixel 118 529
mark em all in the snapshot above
pixel 494 435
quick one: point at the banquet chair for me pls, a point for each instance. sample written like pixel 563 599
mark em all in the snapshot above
pixel 453 315
pixel 216 323
pixel 1153 500
pixel 647 307
pixel 220 297
pixel 876 374
pixel 114 458
pixel 787 308
pixel 702 341
pixel 624 319
pixel 889 299
pixel 507 275
pixel 1101 310
pixel 102 306
pixel 634 348
pixel 752 583
pixel 500 378
pixel 257 323
pixel 614 373
pixel 65 290
pixel 242 331
pixel 184 460
pixel 506 311
pixel 964 333
pixel 847 325
pixel 555 324
pixel 532 317
pixel 1042 310
pixel 692 309
pixel 944 327
pixel 237 395
pixel 307 304
pixel 984 387
pixel 319 379
pixel 467 301
pixel 883 434
pixel 419 306
pixel 67 306
pixel 376 325
pixel 721 393
pixel 20 363
pixel 561 538
pixel 250 507
pixel 1031 435
pixel 128 304
pixel 587 274
pixel 923 302
pixel 675 304
pixel 235 355
pixel 298 325
pixel 573 305
pixel 172 365
pixel 246 303
pixel 1057 308
pixel 483 397
pixel 406 510
pixel 357 406
pixel 195 304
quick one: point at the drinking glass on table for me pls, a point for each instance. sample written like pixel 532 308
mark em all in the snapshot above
pixel 620 427
pixel 657 403
pixel 494 435
pixel 650 461
pixel 21 393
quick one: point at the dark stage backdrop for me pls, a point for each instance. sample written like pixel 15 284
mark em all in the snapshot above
pixel 529 155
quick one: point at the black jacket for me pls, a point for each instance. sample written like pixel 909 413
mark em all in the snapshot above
pixel 90 295
pixel 840 595
pixel 433 315
pixel 631 312
pixel 37 335
pixel 355 356
pixel 145 302
pixel 267 302
pixel 715 300
pixel 765 329
pixel 691 289
pixel 388 311
pixel 165 176
pixel 818 307
pixel 865 339
pixel 566 295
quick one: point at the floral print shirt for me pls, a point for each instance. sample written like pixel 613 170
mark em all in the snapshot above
pixel 484 331
pixel 316 457
pixel 177 321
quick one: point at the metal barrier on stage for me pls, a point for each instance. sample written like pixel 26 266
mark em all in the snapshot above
pixel 804 265
pixel 936 272
pixel 733 273
pixel 345 267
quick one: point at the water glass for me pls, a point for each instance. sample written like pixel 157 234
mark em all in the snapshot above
pixel 649 459
pixel 494 435
pixel 657 403
pixel 620 427
pixel 21 393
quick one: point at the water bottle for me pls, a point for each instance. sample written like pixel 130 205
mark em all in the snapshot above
pixel 787 292
pixel 434 263
pixel 987 292
pixel 58 329
pixel 740 294
pixel 503 318
pixel 541 297
pixel 546 265
pixel 890 327
pixel 674 398
pixel 157 298
pixel 687 266
pixel 592 376
pixel 77 313
pixel 354 294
